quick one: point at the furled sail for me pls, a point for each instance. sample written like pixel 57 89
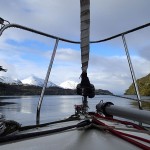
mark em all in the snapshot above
pixel 85 30
pixel 85 88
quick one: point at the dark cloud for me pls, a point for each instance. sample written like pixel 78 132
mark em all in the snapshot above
pixel 108 17
pixel 145 53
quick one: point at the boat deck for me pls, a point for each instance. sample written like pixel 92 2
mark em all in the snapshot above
pixel 89 138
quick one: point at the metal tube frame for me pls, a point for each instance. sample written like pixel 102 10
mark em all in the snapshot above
pixel 11 25
pixel 132 72
pixel 45 82
pixel 141 116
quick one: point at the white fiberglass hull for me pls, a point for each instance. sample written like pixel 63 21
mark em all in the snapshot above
pixel 73 140
pixel 77 138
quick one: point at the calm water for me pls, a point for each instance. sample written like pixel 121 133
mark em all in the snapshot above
pixel 23 109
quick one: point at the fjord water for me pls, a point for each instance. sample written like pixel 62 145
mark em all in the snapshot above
pixel 23 108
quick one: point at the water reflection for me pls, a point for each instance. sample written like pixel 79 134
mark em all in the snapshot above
pixel 23 109
pixel 67 103
pixel 26 107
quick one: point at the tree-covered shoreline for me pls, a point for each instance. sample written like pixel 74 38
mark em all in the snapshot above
pixel 143 85
pixel 21 90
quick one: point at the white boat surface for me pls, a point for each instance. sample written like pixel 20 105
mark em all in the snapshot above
pixel 90 136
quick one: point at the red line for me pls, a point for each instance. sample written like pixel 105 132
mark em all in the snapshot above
pixel 123 135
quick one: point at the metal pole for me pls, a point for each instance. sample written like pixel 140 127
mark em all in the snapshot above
pixel 45 83
pixel 132 72
pixel 85 104
pixel 125 112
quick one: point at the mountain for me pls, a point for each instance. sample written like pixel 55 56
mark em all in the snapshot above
pixel 102 92
pixel 7 89
pixel 10 80
pixel 33 86
pixel 72 85
pixel 144 87
pixel 33 80
pixel 69 85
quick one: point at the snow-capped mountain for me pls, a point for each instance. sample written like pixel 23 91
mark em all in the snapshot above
pixel 10 80
pixel 68 85
pixel 33 80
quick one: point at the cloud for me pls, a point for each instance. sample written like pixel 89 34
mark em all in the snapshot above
pixel 21 61
pixel 62 19
pixel 105 72
pixel 145 53
pixel 11 71
pixel 114 16
pixel 113 72
pixel 108 17
pixel 68 54
pixel 51 16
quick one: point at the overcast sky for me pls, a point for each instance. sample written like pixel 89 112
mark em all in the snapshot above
pixel 25 54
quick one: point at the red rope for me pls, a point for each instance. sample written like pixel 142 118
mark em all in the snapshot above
pixel 134 136
pixel 122 135
pixel 119 134
pixel 120 121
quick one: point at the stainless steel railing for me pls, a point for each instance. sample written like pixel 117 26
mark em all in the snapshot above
pixel 9 25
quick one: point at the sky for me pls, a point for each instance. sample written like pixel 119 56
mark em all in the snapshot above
pixel 24 54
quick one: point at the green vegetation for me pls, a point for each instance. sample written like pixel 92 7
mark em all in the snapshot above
pixel 144 87
pixel 102 92
pixel 145 105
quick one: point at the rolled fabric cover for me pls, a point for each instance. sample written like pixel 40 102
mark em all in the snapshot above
pixel 86 91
